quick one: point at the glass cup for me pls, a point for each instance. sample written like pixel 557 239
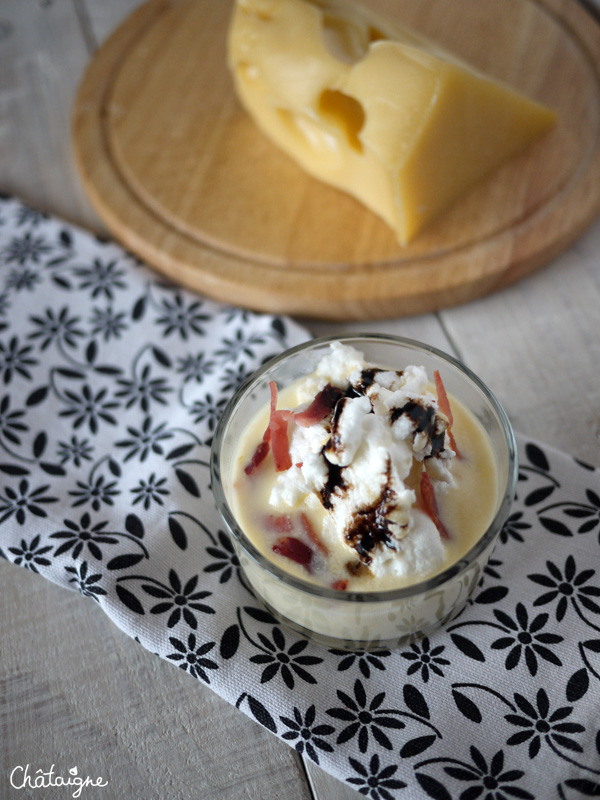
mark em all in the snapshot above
pixel 363 620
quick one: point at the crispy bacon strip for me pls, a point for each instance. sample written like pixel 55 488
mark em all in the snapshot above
pixel 320 407
pixel 282 523
pixel 294 549
pixel 444 405
pixel 431 506
pixel 258 456
pixel 273 390
pixel 312 534
pixel 275 437
pixel 340 585
pixel 278 424
pixel 260 453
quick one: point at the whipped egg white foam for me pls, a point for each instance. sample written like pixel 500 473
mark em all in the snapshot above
pixel 358 469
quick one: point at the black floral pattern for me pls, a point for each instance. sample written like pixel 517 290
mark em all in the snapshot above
pixel 26 249
pixel 75 450
pixel 180 600
pixel 514 527
pixel 207 410
pixel 366 662
pixel 538 724
pixel 425 659
pixel 108 323
pixel 525 637
pixel 89 407
pixel 373 780
pixel 102 278
pixel 192 657
pixel 288 661
pixel 142 441
pixel 225 558
pixel 112 382
pixel 365 718
pixel 15 359
pixel 490 781
pixel 87 583
pixel 150 491
pixel 83 535
pixel 56 327
pixel 95 492
pixel 31 555
pixel 24 501
pixel 11 421
pixel 143 390
pixel 181 318
pixel 20 280
pixel 195 367
pixel 305 735
pixel 566 586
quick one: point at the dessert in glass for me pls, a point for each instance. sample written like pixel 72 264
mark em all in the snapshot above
pixel 364 480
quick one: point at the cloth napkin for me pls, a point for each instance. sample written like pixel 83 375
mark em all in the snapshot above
pixel 111 382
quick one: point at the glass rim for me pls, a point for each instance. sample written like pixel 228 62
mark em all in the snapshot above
pixel 324 592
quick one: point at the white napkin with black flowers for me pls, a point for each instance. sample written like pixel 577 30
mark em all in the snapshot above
pixel 111 382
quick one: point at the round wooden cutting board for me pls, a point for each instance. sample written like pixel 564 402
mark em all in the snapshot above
pixel 183 178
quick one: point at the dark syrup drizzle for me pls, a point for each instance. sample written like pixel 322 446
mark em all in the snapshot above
pixel 426 420
pixel 370 527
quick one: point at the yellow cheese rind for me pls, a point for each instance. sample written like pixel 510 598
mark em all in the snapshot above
pixel 374 109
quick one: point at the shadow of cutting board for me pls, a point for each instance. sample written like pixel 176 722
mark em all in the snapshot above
pixel 183 178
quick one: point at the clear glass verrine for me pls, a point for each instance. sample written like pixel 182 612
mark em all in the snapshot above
pixel 363 620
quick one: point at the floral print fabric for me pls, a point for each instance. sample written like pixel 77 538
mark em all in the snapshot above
pixel 111 382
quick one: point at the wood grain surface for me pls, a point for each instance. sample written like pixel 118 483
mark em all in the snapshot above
pixel 181 174
pixel 146 736
pixel 73 689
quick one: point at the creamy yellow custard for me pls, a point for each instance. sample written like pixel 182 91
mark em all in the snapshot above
pixel 395 431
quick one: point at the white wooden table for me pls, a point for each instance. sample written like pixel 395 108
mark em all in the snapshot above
pixel 146 724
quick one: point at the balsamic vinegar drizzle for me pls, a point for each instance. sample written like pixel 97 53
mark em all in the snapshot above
pixel 370 527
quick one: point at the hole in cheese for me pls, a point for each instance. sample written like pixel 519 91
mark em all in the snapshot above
pixel 346 41
pixel 376 35
pixel 343 112
pixel 309 133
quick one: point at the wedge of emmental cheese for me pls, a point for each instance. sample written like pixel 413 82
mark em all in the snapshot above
pixel 372 108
